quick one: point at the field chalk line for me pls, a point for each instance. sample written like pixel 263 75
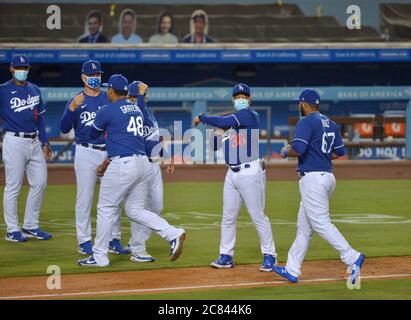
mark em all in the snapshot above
pixel 72 294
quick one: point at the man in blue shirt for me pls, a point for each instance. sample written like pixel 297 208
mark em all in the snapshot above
pixel 245 179
pixel 316 142
pixel 79 114
pixel 127 175
pixel 25 150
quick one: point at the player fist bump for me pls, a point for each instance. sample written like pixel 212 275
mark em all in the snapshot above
pixel 142 88
pixel 78 100
pixel 284 151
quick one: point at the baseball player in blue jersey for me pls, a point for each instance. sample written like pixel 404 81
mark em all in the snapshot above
pixel 25 150
pixel 79 114
pixel 155 153
pixel 316 142
pixel 127 175
pixel 245 179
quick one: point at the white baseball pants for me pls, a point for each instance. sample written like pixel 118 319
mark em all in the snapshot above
pixel 139 233
pixel 86 161
pixel 23 155
pixel 248 186
pixel 316 189
pixel 126 180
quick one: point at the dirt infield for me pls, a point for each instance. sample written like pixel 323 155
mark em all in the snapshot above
pixel 186 279
pixel 344 170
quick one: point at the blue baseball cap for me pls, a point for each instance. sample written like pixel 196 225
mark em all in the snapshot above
pixel 310 96
pixel 19 60
pixel 241 88
pixel 133 88
pixel 90 67
pixel 117 82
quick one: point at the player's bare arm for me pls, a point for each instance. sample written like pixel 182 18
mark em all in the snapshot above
pixel 47 152
pixel 101 169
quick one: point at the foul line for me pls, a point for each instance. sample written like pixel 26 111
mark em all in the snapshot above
pixel 72 294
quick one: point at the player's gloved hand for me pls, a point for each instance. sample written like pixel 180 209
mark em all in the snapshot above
pixel 142 88
pixel 196 122
pixel 284 151
pixel 78 100
pixel 101 169
pixel 47 152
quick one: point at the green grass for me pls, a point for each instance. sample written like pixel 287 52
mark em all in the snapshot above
pixel 382 207
pixel 375 289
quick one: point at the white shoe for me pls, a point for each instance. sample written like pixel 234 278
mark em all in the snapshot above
pixel 142 256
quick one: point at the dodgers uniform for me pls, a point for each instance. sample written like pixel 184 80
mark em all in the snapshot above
pixel 155 152
pixel 89 154
pixel 126 177
pixel 22 110
pixel 245 180
pixel 316 139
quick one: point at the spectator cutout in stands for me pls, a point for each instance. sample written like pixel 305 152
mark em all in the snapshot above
pixel 93 28
pixel 164 33
pixel 198 28
pixel 127 28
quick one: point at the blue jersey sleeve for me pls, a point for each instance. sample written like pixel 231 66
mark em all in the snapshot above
pixel 338 147
pixel 42 106
pixel 302 136
pixel 42 130
pixel 303 131
pixel 67 120
pixel 218 121
pixel 100 123
pixel 244 118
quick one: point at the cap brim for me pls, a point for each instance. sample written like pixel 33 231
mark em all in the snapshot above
pixel 296 99
pixel 87 73
pixel 20 65
pixel 105 84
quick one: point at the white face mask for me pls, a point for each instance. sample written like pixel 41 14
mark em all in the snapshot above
pixel 240 104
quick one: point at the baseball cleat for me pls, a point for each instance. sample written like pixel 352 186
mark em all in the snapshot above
pixel 85 248
pixel 223 262
pixel 268 263
pixel 88 262
pixel 282 271
pixel 176 246
pixel 142 257
pixel 356 268
pixel 37 234
pixel 16 236
pixel 116 247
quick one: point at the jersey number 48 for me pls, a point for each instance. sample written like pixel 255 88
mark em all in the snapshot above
pixel 136 126
pixel 328 142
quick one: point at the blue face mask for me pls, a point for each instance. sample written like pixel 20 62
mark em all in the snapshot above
pixel 240 104
pixel 94 82
pixel 20 75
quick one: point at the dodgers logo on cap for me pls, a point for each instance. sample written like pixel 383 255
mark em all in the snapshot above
pixel 19 60
pixel 241 88
pixel 90 67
